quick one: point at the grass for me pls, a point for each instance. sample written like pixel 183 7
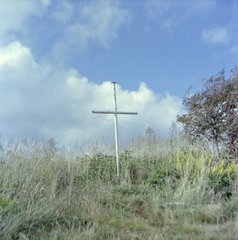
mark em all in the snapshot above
pixel 168 190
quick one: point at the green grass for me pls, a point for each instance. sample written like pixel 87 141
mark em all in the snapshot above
pixel 168 190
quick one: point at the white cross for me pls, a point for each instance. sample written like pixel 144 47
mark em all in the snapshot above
pixel 115 112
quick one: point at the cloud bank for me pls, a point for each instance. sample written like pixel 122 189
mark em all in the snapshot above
pixel 40 100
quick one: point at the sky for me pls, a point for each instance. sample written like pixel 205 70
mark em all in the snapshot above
pixel 58 59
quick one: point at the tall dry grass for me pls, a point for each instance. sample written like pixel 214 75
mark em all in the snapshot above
pixel 168 190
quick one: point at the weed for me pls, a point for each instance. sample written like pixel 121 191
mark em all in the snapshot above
pixel 168 190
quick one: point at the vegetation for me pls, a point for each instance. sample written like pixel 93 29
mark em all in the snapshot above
pixel 168 190
pixel 213 112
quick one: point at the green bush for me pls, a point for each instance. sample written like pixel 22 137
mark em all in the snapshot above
pixel 222 177
pixel 102 167
pixel 221 184
pixel 163 177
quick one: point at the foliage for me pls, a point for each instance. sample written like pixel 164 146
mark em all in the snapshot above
pixel 196 166
pixel 212 113
pixel 102 167
pixel 222 177
pixel 56 194
pixel 163 177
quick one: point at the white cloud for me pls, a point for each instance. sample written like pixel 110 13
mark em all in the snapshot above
pixel 169 12
pixel 64 11
pixel 12 54
pixel 216 35
pixel 234 49
pixel 161 6
pixel 98 21
pixel 46 2
pixel 45 101
pixel 13 15
pixel 201 6
pixel 68 27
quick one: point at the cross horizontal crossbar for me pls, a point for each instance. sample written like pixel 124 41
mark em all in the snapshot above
pixel 113 112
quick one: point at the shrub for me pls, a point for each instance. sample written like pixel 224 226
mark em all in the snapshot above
pixel 165 177
pixel 102 167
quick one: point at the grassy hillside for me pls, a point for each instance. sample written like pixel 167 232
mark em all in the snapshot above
pixel 168 190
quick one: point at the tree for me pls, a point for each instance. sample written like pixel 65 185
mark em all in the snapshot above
pixel 231 108
pixel 212 113
pixel 149 132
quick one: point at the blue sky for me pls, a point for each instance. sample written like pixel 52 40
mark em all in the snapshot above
pixel 57 59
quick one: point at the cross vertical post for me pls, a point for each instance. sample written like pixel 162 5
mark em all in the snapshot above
pixel 116 131
pixel 115 113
